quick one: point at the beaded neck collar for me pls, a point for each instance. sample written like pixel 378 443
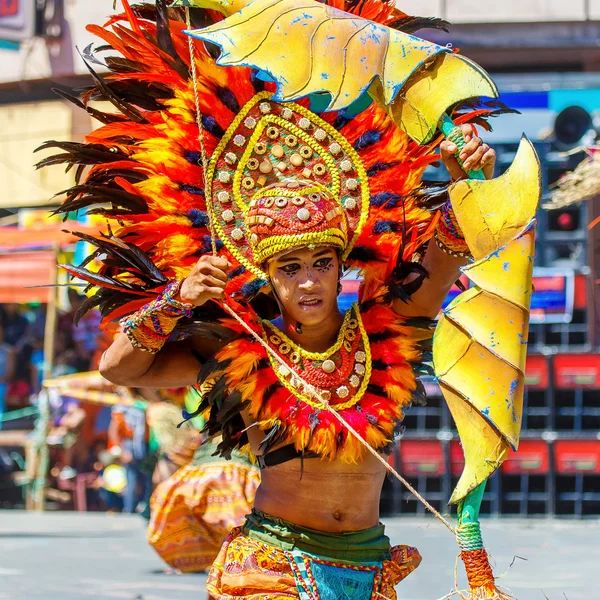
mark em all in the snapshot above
pixel 341 374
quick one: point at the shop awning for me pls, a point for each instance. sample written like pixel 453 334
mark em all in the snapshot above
pixel 28 259
pixel 19 271
pixel 15 238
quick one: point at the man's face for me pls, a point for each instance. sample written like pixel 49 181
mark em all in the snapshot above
pixel 306 282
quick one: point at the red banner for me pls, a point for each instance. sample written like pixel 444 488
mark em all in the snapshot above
pixel 537 372
pixel 577 371
pixel 422 457
pixel 532 457
pixel 9 8
pixel 577 456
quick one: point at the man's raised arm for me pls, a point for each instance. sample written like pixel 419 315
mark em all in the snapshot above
pixel 441 263
pixel 139 357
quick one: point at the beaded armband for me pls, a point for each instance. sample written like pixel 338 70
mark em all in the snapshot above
pixel 150 327
pixel 448 235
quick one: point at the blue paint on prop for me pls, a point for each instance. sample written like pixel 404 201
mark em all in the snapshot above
pixel 264 76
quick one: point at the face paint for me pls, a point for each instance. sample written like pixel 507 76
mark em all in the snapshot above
pixel 305 282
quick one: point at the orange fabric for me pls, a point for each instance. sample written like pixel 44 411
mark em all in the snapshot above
pixel 124 432
pixel 194 510
pixel 248 569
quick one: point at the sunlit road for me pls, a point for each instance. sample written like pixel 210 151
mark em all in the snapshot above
pixel 72 556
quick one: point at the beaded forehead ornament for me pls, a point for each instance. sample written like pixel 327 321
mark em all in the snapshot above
pixel 282 178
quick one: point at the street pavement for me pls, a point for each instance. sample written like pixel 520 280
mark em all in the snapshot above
pixel 92 556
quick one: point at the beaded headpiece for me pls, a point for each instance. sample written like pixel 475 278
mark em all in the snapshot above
pixel 281 177
pixel 296 213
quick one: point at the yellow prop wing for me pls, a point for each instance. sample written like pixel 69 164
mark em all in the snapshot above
pixel 307 47
pixel 480 342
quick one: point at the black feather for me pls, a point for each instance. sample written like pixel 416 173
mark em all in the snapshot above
pixel 257 84
pixel 100 116
pixel 165 41
pixel 79 153
pixel 85 196
pixel 88 304
pixel 88 55
pixel 361 254
pixel 97 278
pixel 413 24
pixel 126 109
pixel 131 256
pixel 209 368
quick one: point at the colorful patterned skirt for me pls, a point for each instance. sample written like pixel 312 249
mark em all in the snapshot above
pixel 193 511
pixel 271 559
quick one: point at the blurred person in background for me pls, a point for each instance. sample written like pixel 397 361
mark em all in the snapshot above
pixel 16 325
pixel 7 366
pixel 193 510
pixel 112 479
pixel 69 419
pixel 127 436
pixel 22 383
pixel 198 497
pixel 37 361
pixel 67 317
pixel 85 333
pixel 174 446
pixel 65 358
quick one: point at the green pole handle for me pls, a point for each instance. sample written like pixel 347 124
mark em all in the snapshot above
pixel 468 531
pixel 453 133
pixel 470 505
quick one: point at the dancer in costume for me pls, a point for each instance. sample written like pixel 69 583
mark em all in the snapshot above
pixel 193 510
pixel 285 197
pixel 174 446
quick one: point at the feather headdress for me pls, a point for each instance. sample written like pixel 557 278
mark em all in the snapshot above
pixel 141 168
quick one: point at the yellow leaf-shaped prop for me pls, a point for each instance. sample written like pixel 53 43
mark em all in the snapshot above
pixel 307 47
pixel 480 342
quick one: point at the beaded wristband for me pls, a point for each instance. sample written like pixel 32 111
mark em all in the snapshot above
pixel 448 235
pixel 150 327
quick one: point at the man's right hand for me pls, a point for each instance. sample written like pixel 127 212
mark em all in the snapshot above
pixel 206 281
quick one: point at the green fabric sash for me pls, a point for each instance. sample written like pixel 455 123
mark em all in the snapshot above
pixel 368 545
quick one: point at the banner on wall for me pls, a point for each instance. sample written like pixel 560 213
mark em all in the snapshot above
pixel 17 20
pixel 553 296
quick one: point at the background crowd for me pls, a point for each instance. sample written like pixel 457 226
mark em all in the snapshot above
pixel 86 440
pixel 22 328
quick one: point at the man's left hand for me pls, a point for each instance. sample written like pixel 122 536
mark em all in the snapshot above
pixel 475 156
